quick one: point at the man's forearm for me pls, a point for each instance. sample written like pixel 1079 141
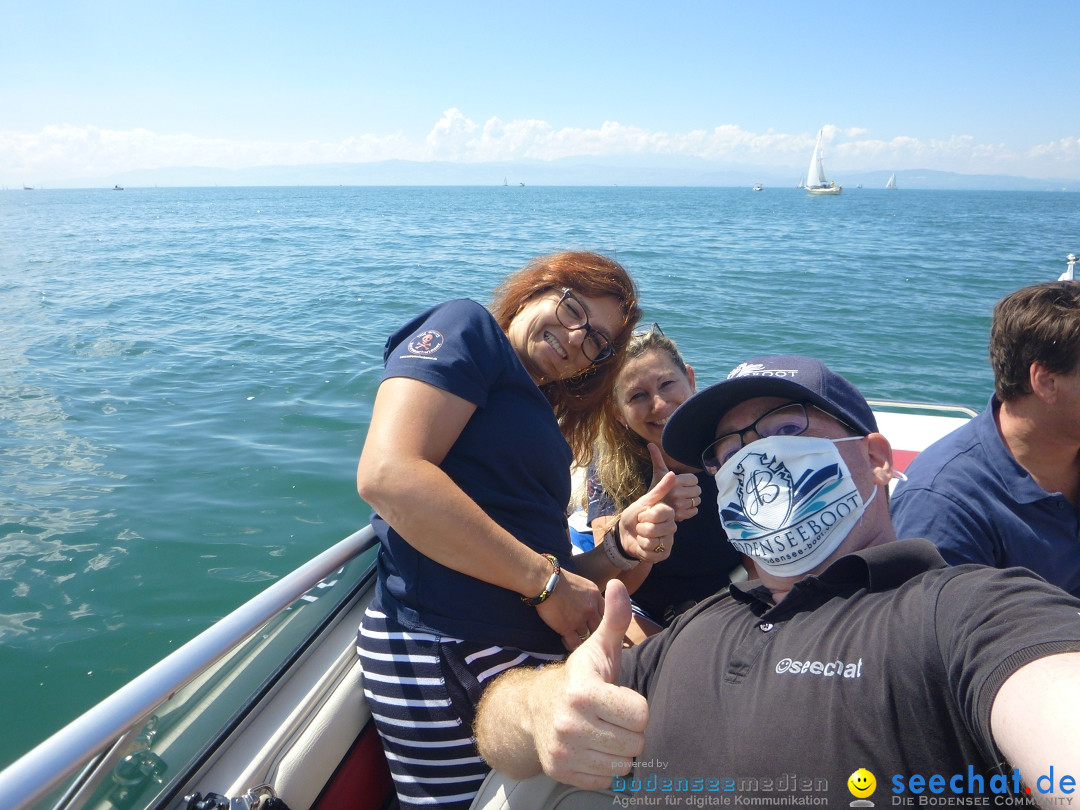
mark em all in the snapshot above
pixel 1033 722
pixel 509 711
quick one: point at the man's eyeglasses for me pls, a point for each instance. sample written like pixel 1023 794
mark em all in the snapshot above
pixel 792 419
pixel 571 314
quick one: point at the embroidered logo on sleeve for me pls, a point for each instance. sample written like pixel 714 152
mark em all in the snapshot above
pixel 427 342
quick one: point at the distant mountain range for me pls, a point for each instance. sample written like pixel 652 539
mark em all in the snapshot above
pixel 620 171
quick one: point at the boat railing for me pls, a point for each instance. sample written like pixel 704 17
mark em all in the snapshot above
pixel 961 411
pixel 121 715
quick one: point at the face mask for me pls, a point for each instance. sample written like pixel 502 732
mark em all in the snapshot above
pixel 788 501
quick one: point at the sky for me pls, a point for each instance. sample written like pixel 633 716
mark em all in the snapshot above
pixel 89 90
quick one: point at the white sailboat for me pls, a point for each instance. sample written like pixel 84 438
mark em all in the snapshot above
pixel 1070 269
pixel 816 183
pixel 891 185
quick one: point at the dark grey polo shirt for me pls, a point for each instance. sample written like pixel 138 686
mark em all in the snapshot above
pixel 888 661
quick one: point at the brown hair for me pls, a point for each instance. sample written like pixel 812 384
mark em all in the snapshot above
pixel 578 400
pixel 623 463
pixel 1036 324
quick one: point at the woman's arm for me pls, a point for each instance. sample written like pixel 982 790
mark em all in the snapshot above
pixel 413 426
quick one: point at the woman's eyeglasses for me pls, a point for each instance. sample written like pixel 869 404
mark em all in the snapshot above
pixel 571 314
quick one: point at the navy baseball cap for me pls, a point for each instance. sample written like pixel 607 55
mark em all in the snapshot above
pixel 692 427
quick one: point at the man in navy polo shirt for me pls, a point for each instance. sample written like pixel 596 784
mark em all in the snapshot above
pixel 855 652
pixel 1002 490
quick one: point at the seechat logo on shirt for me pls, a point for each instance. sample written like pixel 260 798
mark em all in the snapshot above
pixel 826 669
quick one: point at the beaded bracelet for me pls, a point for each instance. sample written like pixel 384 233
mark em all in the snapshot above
pixel 553 580
pixel 613 550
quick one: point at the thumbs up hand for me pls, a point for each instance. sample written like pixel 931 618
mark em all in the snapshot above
pixel 647 526
pixel 685 496
pixel 596 728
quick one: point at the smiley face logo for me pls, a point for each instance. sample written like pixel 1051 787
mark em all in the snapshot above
pixel 861 783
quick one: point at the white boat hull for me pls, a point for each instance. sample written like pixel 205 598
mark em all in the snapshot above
pixel 828 190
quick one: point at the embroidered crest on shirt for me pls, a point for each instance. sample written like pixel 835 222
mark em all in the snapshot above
pixel 427 342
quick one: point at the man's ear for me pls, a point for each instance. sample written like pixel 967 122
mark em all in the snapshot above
pixel 690 378
pixel 881 459
pixel 1043 383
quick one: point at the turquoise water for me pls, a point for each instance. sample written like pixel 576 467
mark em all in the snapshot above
pixel 186 375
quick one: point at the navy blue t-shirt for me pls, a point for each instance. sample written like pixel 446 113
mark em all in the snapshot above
pixel 511 459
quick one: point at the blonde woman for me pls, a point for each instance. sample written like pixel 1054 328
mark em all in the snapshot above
pixel 654 381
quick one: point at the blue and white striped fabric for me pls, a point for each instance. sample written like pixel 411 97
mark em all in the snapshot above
pixel 422 690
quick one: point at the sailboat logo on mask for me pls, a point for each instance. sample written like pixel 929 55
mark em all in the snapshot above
pixel 788 501
pixel 766 490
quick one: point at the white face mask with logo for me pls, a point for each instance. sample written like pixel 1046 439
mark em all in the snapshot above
pixel 789 501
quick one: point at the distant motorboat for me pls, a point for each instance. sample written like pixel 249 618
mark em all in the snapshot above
pixel 117 188
pixel 891 185
pixel 816 182
pixel 758 187
pixel 27 188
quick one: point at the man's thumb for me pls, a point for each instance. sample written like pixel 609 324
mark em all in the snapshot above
pixel 607 639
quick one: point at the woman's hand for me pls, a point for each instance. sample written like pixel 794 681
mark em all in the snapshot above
pixel 685 497
pixel 573 610
pixel 647 526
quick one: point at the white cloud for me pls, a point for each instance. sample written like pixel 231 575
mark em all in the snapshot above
pixel 67 151
pixel 452 136
pixel 1067 149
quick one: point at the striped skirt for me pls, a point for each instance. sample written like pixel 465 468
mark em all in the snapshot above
pixel 422 690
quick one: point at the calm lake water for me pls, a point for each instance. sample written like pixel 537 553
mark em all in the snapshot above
pixel 186 375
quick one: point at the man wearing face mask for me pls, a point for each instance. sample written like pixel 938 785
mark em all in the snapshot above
pixel 853 650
